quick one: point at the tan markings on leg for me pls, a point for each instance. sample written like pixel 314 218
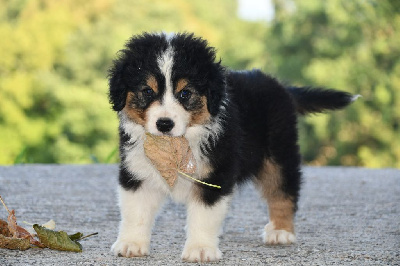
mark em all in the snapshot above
pixel 280 205
pixel 270 179
pixel 281 214
pixel 200 117
pixel 152 83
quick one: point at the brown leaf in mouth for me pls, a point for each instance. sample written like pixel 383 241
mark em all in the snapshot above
pixel 170 155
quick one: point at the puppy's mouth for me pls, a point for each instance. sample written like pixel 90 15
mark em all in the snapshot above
pixel 157 133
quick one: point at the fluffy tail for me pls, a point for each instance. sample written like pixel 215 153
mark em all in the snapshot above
pixel 309 100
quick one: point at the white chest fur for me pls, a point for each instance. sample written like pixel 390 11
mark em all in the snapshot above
pixel 137 162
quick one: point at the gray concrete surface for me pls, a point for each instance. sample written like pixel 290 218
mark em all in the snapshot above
pixel 347 216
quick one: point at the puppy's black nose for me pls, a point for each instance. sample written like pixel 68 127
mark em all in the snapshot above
pixel 164 124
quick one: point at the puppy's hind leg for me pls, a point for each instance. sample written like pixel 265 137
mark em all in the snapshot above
pixel 276 186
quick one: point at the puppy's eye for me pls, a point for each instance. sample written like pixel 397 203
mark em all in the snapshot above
pixel 185 95
pixel 148 92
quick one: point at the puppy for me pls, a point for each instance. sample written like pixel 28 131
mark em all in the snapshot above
pixel 240 125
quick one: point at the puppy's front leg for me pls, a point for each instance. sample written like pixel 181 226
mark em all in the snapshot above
pixel 138 210
pixel 203 230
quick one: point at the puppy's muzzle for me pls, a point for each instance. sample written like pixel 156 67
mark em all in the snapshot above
pixel 165 124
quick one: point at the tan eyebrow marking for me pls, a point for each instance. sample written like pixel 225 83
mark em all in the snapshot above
pixel 182 83
pixel 152 83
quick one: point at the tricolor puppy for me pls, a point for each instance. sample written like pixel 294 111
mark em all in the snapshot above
pixel 240 125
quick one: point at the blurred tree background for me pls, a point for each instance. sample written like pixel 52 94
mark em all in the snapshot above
pixel 54 57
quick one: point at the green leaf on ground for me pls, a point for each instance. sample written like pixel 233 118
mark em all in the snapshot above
pixel 58 240
pixel 75 236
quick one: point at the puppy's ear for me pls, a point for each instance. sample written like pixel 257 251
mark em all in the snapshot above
pixel 117 88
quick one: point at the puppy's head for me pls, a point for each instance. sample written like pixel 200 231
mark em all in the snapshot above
pixel 167 83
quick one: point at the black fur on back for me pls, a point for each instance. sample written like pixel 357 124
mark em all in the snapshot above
pixel 267 119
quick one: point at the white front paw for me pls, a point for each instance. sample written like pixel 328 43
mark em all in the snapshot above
pixel 128 249
pixel 201 254
pixel 272 236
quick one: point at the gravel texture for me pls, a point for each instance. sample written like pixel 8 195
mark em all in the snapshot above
pixel 347 216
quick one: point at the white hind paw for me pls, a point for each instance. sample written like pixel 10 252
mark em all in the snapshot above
pixel 271 236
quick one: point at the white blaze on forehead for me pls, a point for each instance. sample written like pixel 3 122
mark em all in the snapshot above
pixel 165 63
pixel 169 35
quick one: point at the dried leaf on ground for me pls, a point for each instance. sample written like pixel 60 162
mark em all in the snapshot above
pixel 15 229
pixel 20 232
pixel 14 243
pixel 12 223
pixel 4 229
pixel 10 233
pixel 58 240
pixel 13 236
pixel 170 155
pixel 16 233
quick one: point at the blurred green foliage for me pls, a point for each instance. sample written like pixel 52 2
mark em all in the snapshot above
pixel 353 46
pixel 54 57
